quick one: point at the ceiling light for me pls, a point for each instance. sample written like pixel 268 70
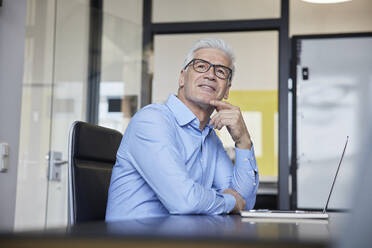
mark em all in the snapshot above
pixel 326 1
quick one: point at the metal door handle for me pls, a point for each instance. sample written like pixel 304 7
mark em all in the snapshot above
pixel 54 165
pixel 59 163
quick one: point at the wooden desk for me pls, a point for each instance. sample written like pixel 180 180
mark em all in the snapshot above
pixel 183 231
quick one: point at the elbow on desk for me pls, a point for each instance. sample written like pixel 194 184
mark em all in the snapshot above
pixel 188 200
pixel 183 208
pixel 184 205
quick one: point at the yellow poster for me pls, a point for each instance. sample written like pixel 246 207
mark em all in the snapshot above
pixel 260 112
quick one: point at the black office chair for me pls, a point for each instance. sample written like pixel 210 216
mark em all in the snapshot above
pixel 92 154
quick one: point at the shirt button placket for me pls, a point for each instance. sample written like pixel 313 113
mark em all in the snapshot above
pixel 201 158
pixel 201 149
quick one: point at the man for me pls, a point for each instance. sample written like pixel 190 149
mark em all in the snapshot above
pixel 171 161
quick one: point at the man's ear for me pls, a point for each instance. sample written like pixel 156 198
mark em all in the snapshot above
pixel 227 91
pixel 181 81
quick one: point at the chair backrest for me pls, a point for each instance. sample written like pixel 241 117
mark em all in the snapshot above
pixel 92 154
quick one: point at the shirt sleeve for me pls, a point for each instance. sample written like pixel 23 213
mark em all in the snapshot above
pixel 243 177
pixel 153 150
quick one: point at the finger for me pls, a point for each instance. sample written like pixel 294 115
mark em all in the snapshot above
pixel 224 123
pixel 219 126
pixel 217 122
pixel 241 205
pixel 232 115
pixel 212 121
pixel 227 111
pixel 220 121
pixel 229 114
pixel 220 105
pixel 216 118
pixel 225 120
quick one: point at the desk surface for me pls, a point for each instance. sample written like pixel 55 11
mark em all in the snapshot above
pixel 231 229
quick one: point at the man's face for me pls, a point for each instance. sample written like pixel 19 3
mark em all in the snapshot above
pixel 200 88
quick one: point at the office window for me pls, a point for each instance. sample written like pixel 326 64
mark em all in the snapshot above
pixel 120 85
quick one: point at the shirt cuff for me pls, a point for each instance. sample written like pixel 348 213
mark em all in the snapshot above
pixel 246 156
pixel 229 202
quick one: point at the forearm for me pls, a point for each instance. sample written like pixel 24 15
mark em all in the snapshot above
pixel 245 177
pixel 196 199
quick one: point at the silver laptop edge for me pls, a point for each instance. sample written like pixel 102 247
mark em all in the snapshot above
pixel 304 214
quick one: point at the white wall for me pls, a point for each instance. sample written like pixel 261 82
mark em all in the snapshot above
pixel 12 33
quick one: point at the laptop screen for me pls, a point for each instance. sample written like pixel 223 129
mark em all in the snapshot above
pixel 334 179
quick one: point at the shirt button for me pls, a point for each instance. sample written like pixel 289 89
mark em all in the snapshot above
pixel 246 159
pixel 201 160
pixel 254 184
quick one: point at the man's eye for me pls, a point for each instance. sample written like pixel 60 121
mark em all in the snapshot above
pixel 221 71
pixel 201 66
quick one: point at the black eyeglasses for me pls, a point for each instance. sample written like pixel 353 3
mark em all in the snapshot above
pixel 201 66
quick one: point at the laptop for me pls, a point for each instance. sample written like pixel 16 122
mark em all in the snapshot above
pixel 297 214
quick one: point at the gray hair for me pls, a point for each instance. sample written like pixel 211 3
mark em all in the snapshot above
pixel 211 43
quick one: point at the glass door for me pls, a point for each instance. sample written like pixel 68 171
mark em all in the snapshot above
pixel 54 86
pixel 68 98
pixel 55 95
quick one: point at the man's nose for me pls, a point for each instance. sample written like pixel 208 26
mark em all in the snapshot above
pixel 210 74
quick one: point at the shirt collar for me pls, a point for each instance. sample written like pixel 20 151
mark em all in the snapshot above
pixel 182 113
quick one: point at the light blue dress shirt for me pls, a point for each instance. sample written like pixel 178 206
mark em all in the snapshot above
pixel 166 165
